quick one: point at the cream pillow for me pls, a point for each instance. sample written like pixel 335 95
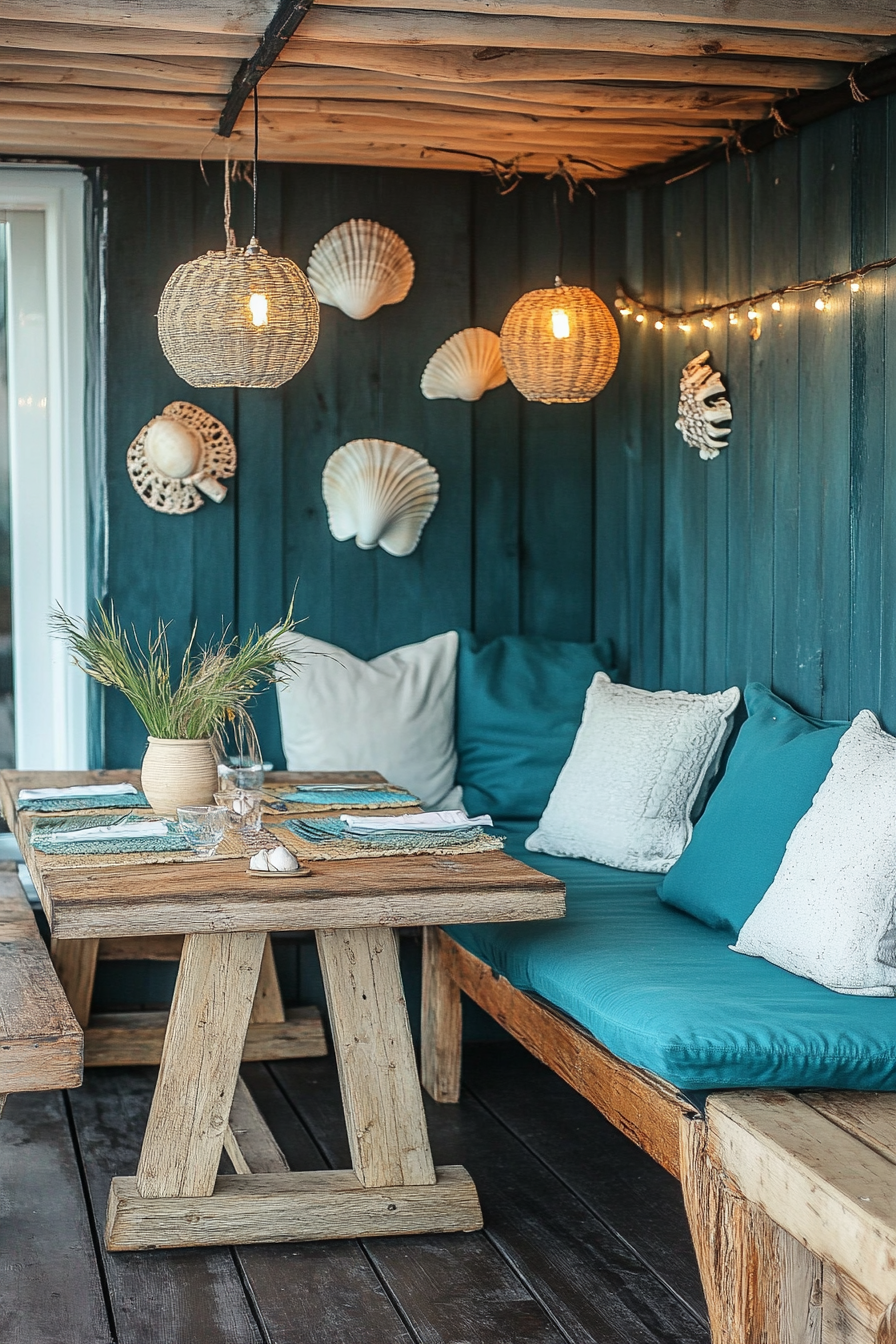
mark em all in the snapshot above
pixel 828 914
pixel 636 770
pixel 394 714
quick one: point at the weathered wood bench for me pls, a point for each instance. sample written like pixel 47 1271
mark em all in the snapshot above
pixel 41 1044
pixel 791 1197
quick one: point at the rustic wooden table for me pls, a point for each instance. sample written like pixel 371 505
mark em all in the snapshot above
pixel 355 907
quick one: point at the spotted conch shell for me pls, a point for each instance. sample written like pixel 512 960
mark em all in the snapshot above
pixel 380 493
pixel 701 406
pixel 466 366
pixel 359 266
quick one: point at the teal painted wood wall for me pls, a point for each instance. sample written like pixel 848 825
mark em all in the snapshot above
pixel 777 561
pixel 511 544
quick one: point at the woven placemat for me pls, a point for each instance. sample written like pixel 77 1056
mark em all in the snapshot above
pixel 235 845
pixel 112 802
pixel 338 848
pixel 289 800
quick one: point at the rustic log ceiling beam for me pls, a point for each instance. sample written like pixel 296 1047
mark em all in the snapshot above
pixel 89 37
pixel 288 16
pixel 248 17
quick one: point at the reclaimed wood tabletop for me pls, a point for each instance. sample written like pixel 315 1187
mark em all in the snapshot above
pixel 225 915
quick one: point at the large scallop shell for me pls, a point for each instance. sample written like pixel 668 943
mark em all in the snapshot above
pixel 380 493
pixel 466 366
pixel 359 266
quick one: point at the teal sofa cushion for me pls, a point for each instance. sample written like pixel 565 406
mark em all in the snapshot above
pixel 519 704
pixel 776 767
pixel 663 991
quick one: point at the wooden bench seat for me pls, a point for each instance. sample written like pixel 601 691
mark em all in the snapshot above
pixel 791 1197
pixel 41 1044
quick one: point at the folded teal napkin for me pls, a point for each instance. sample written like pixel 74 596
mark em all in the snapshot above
pixel 342 796
pixel 43 835
pixel 79 802
pixel 320 830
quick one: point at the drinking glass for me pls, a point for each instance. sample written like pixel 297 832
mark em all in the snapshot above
pixel 241 773
pixel 243 807
pixel 202 828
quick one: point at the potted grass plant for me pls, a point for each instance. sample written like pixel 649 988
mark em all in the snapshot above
pixel 185 722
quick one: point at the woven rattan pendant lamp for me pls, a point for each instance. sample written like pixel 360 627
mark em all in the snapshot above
pixel 238 318
pixel 560 344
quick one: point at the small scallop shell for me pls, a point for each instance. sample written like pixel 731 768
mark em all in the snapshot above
pixel 380 493
pixel 359 266
pixel 466 366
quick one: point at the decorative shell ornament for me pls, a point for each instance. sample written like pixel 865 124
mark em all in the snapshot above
pixel 468 365
pixel 180 457
pixel 380 493
pixel 702 406
pixel 359 266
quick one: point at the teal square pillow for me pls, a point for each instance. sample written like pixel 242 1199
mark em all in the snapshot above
pixel 776 767
pixel 519 705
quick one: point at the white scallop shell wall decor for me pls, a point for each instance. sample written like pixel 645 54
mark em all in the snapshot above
pixel 359 266
pixel 180 458
pixel 465 367
pixel 702 406
pixel 380 493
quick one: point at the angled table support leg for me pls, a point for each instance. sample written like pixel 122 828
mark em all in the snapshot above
pixel 74 960
pixel 375 1053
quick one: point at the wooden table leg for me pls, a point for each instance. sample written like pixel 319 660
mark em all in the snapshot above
pixel 268 1005
pixel 394 1188
pixel 441 1023
pixel 74 960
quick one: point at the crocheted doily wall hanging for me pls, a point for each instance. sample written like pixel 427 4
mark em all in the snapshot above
pixel 181 458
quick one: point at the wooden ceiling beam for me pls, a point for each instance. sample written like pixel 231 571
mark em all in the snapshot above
pixel 718 100
pixel 875 17
pixel 81 99
pixel 288 16
pixel 480 65
pixel 90 80
pixel 205 72
pixel 251 17
pixel 71 37
pixel 443 28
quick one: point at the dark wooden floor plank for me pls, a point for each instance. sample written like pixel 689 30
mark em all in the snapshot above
pixel 50 1290
pixel 319 1293
pixel 640 1200
pixel 158 1297
pixel 592 1285
pixel 452 1289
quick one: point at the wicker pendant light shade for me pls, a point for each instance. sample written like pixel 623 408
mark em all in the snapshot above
pixel 560 344
pixel 239 318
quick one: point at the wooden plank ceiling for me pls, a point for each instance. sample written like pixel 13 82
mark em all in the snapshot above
pixel 609 85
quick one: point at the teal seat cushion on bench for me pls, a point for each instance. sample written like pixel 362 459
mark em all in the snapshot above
pixel 519 705
pixel 663 991
pixel 775 769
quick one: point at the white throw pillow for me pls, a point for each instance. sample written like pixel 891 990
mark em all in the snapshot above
pixel 394 714
pixel 636 770
pixel 829 912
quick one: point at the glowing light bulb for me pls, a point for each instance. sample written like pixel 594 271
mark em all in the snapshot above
pixel 560 323
pixel 855 286
pixel 659 324
pixel 820 304
pixel 625 312
pixel 684 326
pixel 753 315
pixel 258 307
pixel 707 322
pixel 639 317
pixel 732 317
pixel 776 305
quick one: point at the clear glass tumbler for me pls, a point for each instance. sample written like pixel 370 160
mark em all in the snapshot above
pixel 243 809
pixel 202 828
pixel 245 774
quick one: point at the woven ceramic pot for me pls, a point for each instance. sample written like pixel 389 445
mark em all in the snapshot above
pixel 179 772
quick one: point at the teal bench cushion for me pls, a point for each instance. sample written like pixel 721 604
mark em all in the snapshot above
pixel 519 704
pixel 663 991
pixel 775 769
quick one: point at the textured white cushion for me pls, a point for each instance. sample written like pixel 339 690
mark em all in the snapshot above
pixel 829 911
pixel 635 772
pixel 394 714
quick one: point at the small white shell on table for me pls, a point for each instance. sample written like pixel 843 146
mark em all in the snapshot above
pixel 179 457
pixel 276 860
pixel 466 366
pixel 702 406
pixel 380 493
pixel 359 266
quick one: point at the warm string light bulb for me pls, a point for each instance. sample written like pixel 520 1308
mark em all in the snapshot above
pixel 856 285
pixel 639 317
pixel 659 324
pixel 753 315
pixel 776 304
pixel 823 300
pixel 258 307
pixel 732 317
pixel 708 323
pixel 684 326
pixel 560 323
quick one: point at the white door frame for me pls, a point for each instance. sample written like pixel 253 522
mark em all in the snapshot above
pixel 46 362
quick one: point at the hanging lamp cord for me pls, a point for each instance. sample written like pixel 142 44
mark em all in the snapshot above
pixel 559 227
pixel 255 169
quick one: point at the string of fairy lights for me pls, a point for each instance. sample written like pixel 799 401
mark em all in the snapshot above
pixel 751 306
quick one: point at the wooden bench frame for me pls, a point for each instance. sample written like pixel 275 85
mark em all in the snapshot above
pixel 791 1198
